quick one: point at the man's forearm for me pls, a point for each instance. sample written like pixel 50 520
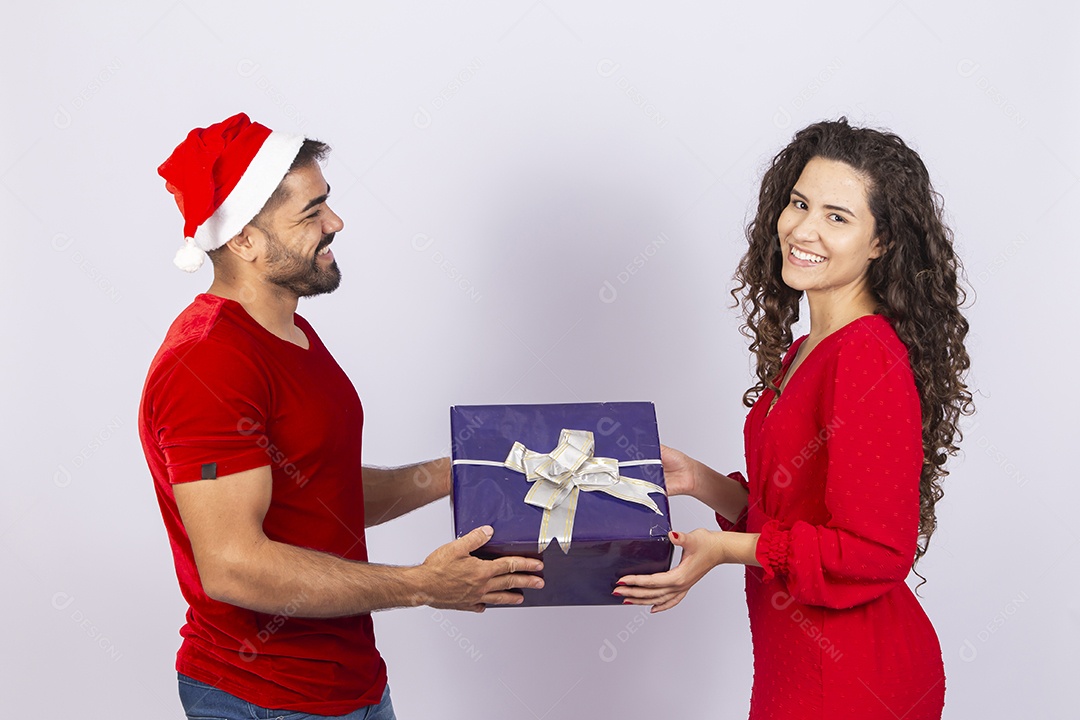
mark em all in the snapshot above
pixel 393 492
pixel 276 578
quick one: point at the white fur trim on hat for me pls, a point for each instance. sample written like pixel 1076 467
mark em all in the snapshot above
pixel 256 185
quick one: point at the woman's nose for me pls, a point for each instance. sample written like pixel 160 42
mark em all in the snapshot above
pixel 806 229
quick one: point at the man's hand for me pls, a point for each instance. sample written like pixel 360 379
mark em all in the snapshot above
pixel 454 579
pixel 240 565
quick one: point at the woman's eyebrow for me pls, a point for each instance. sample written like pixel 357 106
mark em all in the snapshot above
pixel 841 208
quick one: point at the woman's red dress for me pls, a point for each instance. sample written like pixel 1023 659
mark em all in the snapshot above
pixel 834 491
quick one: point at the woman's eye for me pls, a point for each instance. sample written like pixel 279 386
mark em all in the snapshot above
pixel 837 218
pixel 799 204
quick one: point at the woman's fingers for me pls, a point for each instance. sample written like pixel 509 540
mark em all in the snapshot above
pixel 650 594
pixel 669 603
pixel 669 577
pixel 660 602
pixel 651 587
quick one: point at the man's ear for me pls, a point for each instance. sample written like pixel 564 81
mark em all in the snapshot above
pixel 246 244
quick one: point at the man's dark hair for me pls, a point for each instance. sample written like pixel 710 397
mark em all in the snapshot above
pixel 311 152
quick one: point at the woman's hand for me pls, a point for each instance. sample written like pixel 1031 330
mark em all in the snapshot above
pixel 702 550
pixel 683 475
pixel 680 471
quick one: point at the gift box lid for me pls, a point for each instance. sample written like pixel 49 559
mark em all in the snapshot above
pixel 491 494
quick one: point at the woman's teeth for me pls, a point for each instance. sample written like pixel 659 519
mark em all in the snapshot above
pixel 806 256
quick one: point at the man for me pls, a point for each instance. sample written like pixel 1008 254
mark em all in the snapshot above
pixel 253 436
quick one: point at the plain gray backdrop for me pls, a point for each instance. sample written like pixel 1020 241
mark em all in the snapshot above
pixel 544 201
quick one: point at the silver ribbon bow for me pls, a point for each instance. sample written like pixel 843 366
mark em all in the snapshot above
pixel 559 476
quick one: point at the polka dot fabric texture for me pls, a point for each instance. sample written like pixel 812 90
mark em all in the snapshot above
pixel 833 473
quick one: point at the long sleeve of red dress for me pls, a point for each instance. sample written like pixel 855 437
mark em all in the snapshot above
pixel 833 474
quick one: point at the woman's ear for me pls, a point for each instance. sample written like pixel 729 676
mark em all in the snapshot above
pixel 877 249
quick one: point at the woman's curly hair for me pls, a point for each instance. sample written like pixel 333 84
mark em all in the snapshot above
pixel 915 283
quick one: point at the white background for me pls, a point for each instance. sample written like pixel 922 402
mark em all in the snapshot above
pixel 498 166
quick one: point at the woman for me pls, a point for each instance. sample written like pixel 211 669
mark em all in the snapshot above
pixel 847 436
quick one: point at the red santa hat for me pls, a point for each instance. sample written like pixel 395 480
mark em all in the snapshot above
pixel 221 177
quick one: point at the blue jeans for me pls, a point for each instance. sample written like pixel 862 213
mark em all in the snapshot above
pixel 206 702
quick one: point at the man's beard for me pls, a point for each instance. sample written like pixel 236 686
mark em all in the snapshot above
pixel 298 274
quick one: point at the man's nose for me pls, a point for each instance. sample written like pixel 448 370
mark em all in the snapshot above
pixel 333 223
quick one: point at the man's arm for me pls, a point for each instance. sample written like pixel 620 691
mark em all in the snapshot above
pixel 393 492
pixel 239 565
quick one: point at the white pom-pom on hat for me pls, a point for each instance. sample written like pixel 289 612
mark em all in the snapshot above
pixel 221 177
pixel 190 257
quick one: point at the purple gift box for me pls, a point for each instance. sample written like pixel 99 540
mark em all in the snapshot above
pixel 578 485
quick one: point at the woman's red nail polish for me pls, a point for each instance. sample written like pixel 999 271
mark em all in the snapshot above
pixel 619 583
pixel 675 535
pixel 627 602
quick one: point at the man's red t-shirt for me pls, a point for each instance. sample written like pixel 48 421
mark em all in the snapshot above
pixel 225 395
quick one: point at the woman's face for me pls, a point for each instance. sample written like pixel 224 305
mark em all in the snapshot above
pixel 827 232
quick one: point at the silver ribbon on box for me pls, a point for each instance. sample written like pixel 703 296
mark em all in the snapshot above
pixel 559 476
